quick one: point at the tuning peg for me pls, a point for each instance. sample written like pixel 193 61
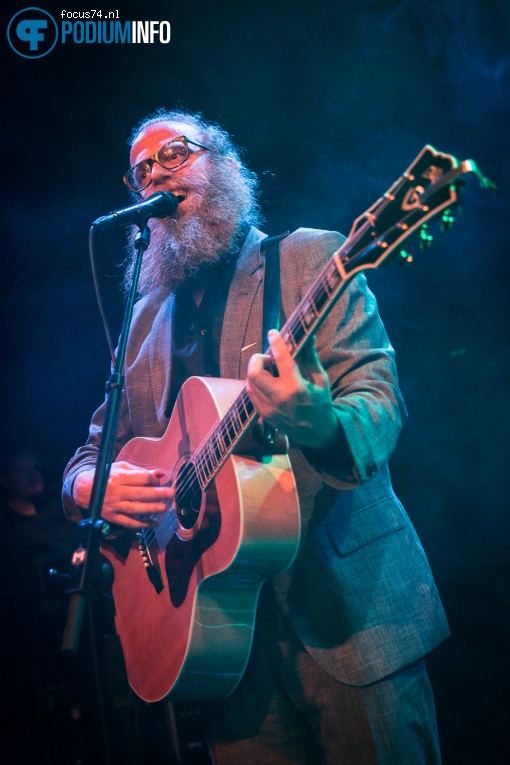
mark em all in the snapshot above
pixel 405 258
pixel 425 237
pixel 447 220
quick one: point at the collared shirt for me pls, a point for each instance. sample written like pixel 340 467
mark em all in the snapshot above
pixel 196 330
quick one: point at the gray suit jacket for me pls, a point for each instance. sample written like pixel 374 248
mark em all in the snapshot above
pixel 360 595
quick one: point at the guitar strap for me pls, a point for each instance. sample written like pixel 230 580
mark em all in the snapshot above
pixel 272 292
pixel 271 305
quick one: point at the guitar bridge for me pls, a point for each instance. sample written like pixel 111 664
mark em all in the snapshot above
pixel 152 571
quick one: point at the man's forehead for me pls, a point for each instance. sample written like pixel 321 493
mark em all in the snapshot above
pixel 156 134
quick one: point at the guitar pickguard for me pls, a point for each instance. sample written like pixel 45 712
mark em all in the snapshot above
pixel 182 557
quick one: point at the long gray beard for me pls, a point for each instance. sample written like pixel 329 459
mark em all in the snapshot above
pixel 192 242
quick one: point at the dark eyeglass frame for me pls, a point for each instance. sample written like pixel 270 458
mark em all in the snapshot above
pixel 155 158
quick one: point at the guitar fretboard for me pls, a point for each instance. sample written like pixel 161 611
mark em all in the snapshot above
pixel 219 444
pixel 211 455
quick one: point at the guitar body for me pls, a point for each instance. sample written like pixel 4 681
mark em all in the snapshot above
pixel 185 603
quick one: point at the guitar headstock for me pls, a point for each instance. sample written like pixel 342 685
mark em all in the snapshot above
pixel 430 186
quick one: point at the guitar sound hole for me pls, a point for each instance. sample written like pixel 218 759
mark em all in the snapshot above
pixel 188 496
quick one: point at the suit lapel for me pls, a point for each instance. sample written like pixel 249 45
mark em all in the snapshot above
pixel 160 357
pixel 241 334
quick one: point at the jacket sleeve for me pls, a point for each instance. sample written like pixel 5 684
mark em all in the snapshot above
pixel 354 349
pixel 85 457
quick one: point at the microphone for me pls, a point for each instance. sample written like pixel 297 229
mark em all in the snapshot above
pixel 159 205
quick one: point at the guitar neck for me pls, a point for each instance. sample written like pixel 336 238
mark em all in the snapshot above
pixel 429 187
pixel 303 322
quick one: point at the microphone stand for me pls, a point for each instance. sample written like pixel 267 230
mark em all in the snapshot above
pixel 94 577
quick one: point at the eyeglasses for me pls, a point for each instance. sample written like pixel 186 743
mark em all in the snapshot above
pixel 170 156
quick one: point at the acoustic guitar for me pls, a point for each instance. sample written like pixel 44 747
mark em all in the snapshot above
pixel 186 591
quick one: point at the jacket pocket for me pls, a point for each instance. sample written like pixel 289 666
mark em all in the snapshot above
pixel 351 531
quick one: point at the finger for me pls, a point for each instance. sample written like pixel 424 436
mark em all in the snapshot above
pixel 284 362
pixel 135 476
pixel 258 380
pixel 130 522
pixel 144 494
pixel 262 386
pixel 130 468
pixel 256 364
pixel 134 514
pixel 137 507
pixel 138 502
pixel 261 403
pixel 136 499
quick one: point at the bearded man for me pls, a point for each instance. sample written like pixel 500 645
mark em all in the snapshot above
pixel 337 671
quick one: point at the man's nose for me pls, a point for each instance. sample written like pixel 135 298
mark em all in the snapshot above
pixel 159 175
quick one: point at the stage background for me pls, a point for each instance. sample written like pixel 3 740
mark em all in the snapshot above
pixel 331 101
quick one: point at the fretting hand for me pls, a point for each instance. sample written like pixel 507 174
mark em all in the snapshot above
pixel 298 401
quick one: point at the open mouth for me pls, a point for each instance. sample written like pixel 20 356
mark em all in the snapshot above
pixel 180 194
